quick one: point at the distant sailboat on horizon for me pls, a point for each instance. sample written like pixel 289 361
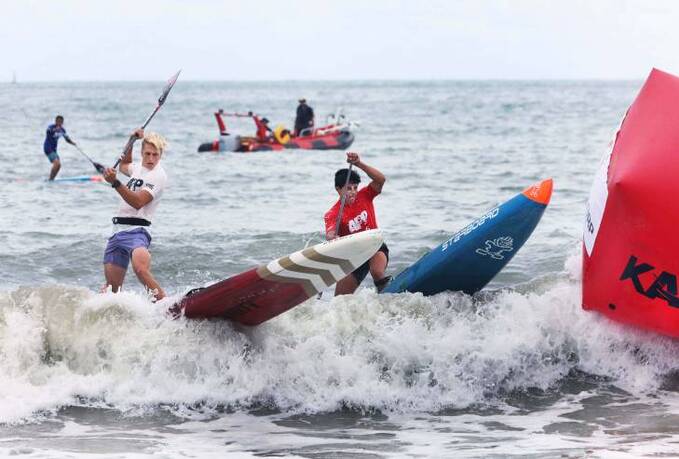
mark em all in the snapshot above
pixel 14 77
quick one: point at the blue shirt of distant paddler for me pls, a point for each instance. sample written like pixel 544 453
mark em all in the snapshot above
pixel 52 135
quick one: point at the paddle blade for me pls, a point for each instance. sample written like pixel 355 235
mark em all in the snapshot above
pixel 168 88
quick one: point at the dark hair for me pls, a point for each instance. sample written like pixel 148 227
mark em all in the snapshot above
pixel 59 117
pixel 341 177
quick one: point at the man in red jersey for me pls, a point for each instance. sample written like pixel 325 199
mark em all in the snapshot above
pixel 358 215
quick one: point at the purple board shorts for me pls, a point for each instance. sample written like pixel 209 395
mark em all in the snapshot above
pixel 120 246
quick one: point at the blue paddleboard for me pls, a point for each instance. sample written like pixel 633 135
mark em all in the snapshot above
pixel 474 255
pixel 79 179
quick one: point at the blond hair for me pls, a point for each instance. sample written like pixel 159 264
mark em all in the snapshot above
pixel 156 140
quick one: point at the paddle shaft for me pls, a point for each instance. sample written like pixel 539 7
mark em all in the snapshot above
pixel 97 166
pixel 343 200
pixel 133 139
pixel 161 101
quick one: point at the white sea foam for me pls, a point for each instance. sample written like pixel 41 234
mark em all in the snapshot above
pixel 396 353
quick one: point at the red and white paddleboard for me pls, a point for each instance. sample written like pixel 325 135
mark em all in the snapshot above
pixel 631 237
pixel 262 293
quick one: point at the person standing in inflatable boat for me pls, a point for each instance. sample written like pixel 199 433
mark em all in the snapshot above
pixel 304 121
pixel 139 200
pixel 358 215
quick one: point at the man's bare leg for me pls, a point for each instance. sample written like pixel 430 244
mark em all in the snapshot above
pixel 378 264
pixel 115 275
pixel 141 263
pixel 346 286
pixel 56 165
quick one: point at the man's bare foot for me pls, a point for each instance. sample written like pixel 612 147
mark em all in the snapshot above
pixel 158 294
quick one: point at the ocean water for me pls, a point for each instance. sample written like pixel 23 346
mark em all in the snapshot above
pixel 518 370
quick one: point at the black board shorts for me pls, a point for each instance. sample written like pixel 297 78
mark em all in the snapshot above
pixel 363 270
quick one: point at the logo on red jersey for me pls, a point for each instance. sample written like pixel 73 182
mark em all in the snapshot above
pixel 356 224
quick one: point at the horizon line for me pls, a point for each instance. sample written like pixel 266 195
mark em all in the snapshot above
pixel 332 80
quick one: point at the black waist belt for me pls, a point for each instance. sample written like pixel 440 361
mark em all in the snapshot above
pixel 131 221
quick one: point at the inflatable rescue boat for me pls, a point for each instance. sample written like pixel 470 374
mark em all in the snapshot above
pixel 336 135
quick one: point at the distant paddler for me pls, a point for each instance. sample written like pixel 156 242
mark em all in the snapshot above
pixel 354 212
pixel 52 135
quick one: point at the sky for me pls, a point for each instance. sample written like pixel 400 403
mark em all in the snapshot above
pixel 92 40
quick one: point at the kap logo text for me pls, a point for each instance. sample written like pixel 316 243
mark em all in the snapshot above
pixel 664 285
pixel 134 184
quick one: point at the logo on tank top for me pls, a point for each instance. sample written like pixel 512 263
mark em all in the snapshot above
pixel 664 286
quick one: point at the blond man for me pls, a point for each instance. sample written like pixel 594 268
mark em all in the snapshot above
pixel 139 199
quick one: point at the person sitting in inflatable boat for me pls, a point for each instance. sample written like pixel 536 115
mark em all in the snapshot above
pixel 263 130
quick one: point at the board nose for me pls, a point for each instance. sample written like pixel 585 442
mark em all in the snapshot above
pixel 540 192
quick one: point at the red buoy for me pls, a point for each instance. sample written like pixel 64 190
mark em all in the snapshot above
pixel 631 238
